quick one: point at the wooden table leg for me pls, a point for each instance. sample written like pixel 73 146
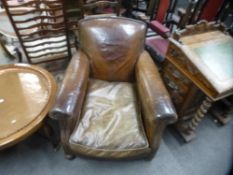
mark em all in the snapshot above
pixel 200 114
pixel 187 129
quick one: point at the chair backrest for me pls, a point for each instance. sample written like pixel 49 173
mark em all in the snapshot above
pixel 41 29
pixel 206 10
pixel 113 45
pixel 211 9
pixel 73 9
pixel 163 8
pixel 95 7
pixel 188 16
pixel 226 13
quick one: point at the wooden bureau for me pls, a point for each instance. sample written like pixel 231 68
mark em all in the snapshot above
pixel 198 71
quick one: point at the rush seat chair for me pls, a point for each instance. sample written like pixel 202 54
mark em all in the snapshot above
pixel 112 103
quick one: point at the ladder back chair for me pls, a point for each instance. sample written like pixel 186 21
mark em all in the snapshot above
pixel 41 30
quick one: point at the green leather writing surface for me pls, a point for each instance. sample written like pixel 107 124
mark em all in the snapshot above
pixel 218 57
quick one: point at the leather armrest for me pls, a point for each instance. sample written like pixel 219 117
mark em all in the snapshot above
pixel 155 99
pixel 159 28
pixel 157 108
pixel 73 88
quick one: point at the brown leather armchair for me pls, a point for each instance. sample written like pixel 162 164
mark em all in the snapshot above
pixel 112 102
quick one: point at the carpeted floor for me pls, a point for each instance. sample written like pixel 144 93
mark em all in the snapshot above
pixel 209 154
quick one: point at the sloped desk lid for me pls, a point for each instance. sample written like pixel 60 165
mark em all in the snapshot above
pixel 26 95
pixel 212 54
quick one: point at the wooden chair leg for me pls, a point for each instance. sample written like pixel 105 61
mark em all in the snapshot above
pixel 18 54
pixel 69 156
pixel 49 133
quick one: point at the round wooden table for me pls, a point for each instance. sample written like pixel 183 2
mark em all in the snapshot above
pixel 26 95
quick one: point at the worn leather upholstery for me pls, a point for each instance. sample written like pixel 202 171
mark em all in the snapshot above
pixel 71 96
pixel 120 107
pixel 110 47
pixel 156 104
pixel 110 121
